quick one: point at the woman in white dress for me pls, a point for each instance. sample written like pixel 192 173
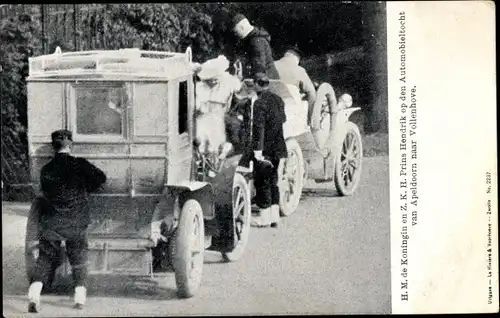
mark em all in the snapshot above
pixel 213 97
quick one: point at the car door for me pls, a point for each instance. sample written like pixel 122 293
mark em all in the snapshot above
pixel 180 149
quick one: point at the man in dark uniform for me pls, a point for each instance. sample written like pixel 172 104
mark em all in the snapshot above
pixel 269 147
pixel 257 46
pixel 65 183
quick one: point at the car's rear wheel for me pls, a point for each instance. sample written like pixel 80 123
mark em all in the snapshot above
pixel 291 178
pixel 189 249
pixel 349 161
pixel 242 213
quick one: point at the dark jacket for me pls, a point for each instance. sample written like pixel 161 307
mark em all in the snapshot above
pixel 65 182
pixel 257 47
pixel 268 119
pixel 237 122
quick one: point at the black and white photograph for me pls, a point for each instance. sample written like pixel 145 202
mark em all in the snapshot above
pixel 218 158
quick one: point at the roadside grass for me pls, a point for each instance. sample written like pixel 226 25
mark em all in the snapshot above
pixel 376 144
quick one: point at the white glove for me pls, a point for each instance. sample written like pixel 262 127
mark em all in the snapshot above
pixel 227 147
pixel 156 233
pixel 31 245
pixel 258 155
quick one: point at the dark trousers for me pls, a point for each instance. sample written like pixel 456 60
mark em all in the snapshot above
pixel 50 253
pixel 266 185
pixel 51 256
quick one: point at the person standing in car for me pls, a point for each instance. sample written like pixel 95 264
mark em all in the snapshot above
pixel 64 216
pixel 257 47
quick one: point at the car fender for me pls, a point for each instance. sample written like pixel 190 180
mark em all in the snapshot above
pixel 337 135
pixel 174 196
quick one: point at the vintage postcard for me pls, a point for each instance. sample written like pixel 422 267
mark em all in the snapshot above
pixel 277 158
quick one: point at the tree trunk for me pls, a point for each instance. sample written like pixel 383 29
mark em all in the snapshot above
pixel 375 36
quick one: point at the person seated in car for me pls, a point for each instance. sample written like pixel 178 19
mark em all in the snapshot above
pixel 213 97
pixel 291 73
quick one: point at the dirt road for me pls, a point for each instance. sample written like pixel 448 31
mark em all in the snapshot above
pixel 332 256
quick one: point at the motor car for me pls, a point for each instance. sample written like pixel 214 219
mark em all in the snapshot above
pixel 131 114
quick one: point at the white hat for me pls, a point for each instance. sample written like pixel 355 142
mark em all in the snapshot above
pixel 213 68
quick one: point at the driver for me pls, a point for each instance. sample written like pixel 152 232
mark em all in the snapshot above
pixel 291 73
pixel 213 96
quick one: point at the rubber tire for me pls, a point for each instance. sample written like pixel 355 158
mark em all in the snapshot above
pixel 289 209
pixel 339 185
pixel 325 90
pixel 186 285
pixel 238 251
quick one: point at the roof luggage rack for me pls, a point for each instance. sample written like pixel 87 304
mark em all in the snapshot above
pixel 123 61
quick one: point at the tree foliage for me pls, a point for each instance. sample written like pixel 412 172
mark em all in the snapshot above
pixel 165 27
pixel 316 27
pixel 18 41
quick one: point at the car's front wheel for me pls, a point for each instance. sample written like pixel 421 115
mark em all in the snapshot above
pixel 242 213
pixel 349 161
pixel 189 249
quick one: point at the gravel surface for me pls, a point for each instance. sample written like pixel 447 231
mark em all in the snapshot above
pixel 332 256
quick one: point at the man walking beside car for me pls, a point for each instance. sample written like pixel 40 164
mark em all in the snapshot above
pixel 269 147
pixel 65 183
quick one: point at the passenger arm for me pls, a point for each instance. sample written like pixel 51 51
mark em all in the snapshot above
pixel 308 87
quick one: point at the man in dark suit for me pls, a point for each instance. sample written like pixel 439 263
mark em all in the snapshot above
pixel 269 147
pixel 257 46
pixel 65 183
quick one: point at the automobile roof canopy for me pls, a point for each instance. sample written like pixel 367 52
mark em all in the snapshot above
pixel 125 64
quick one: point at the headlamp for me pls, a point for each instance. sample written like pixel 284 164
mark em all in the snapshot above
pixel 345 101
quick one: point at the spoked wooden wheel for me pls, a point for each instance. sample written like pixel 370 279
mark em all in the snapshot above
pixel 322 116
pixel 242 213
pixel 291 178
pixel 349 161
pixel 189 248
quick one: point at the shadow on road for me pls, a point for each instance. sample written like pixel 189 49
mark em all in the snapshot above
pixel 13 273
pixel 319 192
pixel 15 282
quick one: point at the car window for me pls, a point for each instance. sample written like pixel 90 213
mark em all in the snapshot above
pixel 183 107
pixel 100 110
